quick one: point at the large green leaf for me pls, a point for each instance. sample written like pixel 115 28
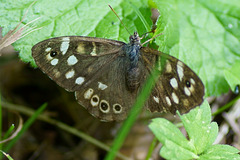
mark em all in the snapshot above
pixel 204 34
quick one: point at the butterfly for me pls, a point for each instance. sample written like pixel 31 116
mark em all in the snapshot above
pixel 107 75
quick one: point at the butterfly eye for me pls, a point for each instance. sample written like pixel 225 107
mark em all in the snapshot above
pixel 53 53
pixel 188 84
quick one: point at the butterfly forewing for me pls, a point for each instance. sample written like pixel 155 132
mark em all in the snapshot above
pixel 64 58
pixel 94 68
pixel 177 88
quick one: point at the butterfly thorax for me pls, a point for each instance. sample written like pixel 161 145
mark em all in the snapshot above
pixel 132 50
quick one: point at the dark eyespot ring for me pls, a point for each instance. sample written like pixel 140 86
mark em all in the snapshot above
pixel 188 84
pixel 118 107
pixel 95 99
pixel 104 106
pixel 53 53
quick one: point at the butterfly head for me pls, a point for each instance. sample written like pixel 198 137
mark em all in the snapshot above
pixel 134 39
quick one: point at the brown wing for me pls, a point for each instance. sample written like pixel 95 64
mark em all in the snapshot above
pixel 177 88
pixel 94 68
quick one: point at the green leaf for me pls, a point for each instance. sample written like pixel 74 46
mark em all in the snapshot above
pixel 203 34
pixel 202 133
pixel 173 151
pixel 219 151
pixel 175 145
pixel 7 155
pixel 232 75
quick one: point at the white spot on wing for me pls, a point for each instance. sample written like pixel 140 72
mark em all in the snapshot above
pixel 79 80
pixel 180 70
pixel 48 49
pixel 187 92
pixel 192 81
pixel 175 98
pixel 49 57
pixel 93 53
pixel 168 67
pixel 56 73
pixel 65 45
pixel 191 89
pixel 88 94
pixel 54 62
pixel 179 63
pixel 72 60
pixel 70 74
pixel 168 101
pixel 102 86
pixel 156 99
pixel 174 83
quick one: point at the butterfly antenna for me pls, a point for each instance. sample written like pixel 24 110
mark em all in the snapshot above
pixel 119 19
pixel 151 39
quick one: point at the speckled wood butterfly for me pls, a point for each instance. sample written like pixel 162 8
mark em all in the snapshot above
pixel 106 75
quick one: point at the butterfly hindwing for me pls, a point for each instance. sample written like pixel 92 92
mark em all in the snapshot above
pixel 177 88
pixel 107 97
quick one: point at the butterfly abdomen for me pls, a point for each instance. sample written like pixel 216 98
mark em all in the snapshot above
pixel 133 78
